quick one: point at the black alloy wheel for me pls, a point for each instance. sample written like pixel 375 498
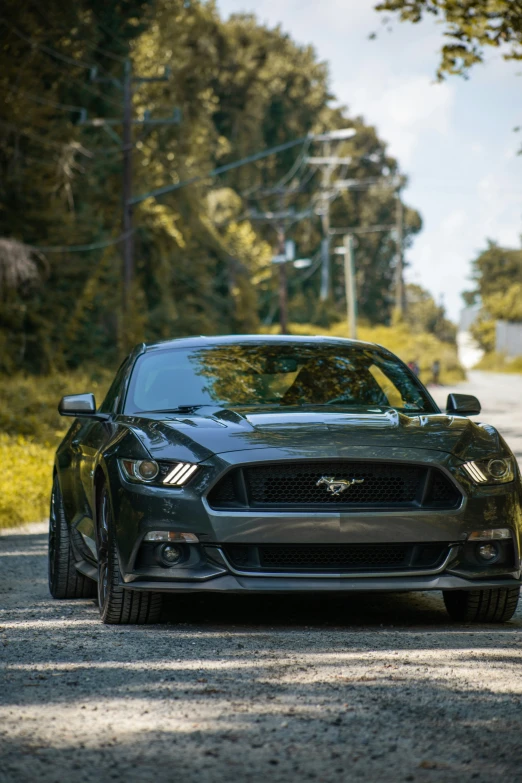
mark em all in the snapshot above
pixel 118 606
pixel 64 580
pixel 482 606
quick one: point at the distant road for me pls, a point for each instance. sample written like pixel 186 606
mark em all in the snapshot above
pixel 501 397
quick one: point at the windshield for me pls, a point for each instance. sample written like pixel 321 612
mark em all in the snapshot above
pixel 273 374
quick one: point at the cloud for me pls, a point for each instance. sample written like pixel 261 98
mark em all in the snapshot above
pixel 405 110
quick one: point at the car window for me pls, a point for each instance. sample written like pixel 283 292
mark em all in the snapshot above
pixel 113 396
pixel 282 374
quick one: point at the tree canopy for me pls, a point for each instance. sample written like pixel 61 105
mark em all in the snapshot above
pixel 203 261
pixel 497 274
pixel 471 26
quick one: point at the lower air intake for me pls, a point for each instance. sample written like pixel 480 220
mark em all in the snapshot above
pixel 335 557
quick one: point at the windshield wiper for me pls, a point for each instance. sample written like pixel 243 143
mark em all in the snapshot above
pixel 181 408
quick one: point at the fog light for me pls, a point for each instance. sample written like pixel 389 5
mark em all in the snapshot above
pixel 488 552
pixel 170 555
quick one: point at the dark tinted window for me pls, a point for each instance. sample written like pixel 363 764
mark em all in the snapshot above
pixel 282 374
pixel 113 396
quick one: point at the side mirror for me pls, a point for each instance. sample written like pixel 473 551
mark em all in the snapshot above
pixel 463 405
pixel 77 405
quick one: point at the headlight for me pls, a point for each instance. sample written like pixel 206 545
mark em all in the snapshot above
pixel 148 471
pixel 140 469
pixel 498 470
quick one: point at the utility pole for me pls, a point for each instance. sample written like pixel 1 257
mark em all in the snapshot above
pixel 281 220
pixel 399 284
pixel 125 143
pixel 349 268
pixel 128 239
pixel 328 163
pixel 327 172
pixel 349 284
pixel 283 283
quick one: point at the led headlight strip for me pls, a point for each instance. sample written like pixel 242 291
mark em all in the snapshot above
pixel 473 470
pixel 180 474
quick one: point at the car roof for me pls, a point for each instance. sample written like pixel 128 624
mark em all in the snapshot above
pixel 236 339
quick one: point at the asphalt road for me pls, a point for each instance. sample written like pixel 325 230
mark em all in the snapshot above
pixel 374 688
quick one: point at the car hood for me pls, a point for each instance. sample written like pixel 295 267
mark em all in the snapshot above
pixel 309 433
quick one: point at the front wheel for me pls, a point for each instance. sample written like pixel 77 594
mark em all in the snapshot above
pixel 482 606
pixel 119 606
pixel 64 580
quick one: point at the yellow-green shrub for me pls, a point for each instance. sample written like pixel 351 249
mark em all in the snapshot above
pixel 498 362
pixel 30 431
pixel 25 480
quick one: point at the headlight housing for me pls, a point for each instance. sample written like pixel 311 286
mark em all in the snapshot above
pixel 497 470
pixel 148 471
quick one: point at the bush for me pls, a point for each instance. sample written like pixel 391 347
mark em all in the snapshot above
pixel 498 362
pixel 25 480
pixel 31 430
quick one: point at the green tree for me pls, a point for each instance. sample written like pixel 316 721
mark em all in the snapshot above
pixel 471 26
pixel 202 262
pixel 423 314
pixel 497 273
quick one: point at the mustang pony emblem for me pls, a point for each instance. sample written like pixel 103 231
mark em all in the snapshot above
pixel 336 486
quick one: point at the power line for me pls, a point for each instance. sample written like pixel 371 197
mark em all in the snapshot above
pixel 44 101
pixel 219 170
pixel 75 61
pixel 41 139
pixel 297 165
pixel 51 52
pixel 127 151
pixel 67 33
pixel 83 248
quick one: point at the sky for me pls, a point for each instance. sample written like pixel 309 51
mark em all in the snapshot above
pixel 454 141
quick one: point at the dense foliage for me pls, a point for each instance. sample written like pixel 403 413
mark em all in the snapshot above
pixel 203 262
pixel 497 273
pixel 470 27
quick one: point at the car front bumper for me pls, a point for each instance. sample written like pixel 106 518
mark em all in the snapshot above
pixel 140 509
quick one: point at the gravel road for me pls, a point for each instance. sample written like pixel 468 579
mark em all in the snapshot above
pixel 380 688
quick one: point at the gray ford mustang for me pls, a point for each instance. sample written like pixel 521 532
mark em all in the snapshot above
pixel 280 465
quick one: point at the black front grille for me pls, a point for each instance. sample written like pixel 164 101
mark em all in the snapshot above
pixel 308 485
pixel 335 557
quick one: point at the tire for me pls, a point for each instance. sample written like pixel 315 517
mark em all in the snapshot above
pixel 482 606
pixel 119 606
pixel 64 580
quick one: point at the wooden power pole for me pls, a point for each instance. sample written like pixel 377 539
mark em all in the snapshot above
pixel 128 239
pixel 399 285
pixel 349 284
pixel 125 143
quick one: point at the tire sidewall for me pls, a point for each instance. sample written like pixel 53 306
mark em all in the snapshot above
pixel 56 535
pixel 110 568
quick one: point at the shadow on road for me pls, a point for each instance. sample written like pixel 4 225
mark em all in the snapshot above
pixel 238 688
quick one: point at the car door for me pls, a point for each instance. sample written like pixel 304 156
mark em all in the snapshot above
pixel 87 442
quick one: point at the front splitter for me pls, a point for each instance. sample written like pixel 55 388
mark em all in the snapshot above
pixel 229 583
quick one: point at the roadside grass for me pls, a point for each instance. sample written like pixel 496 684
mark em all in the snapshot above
pixel 499 362
pixel 25 480
pixel 30 431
